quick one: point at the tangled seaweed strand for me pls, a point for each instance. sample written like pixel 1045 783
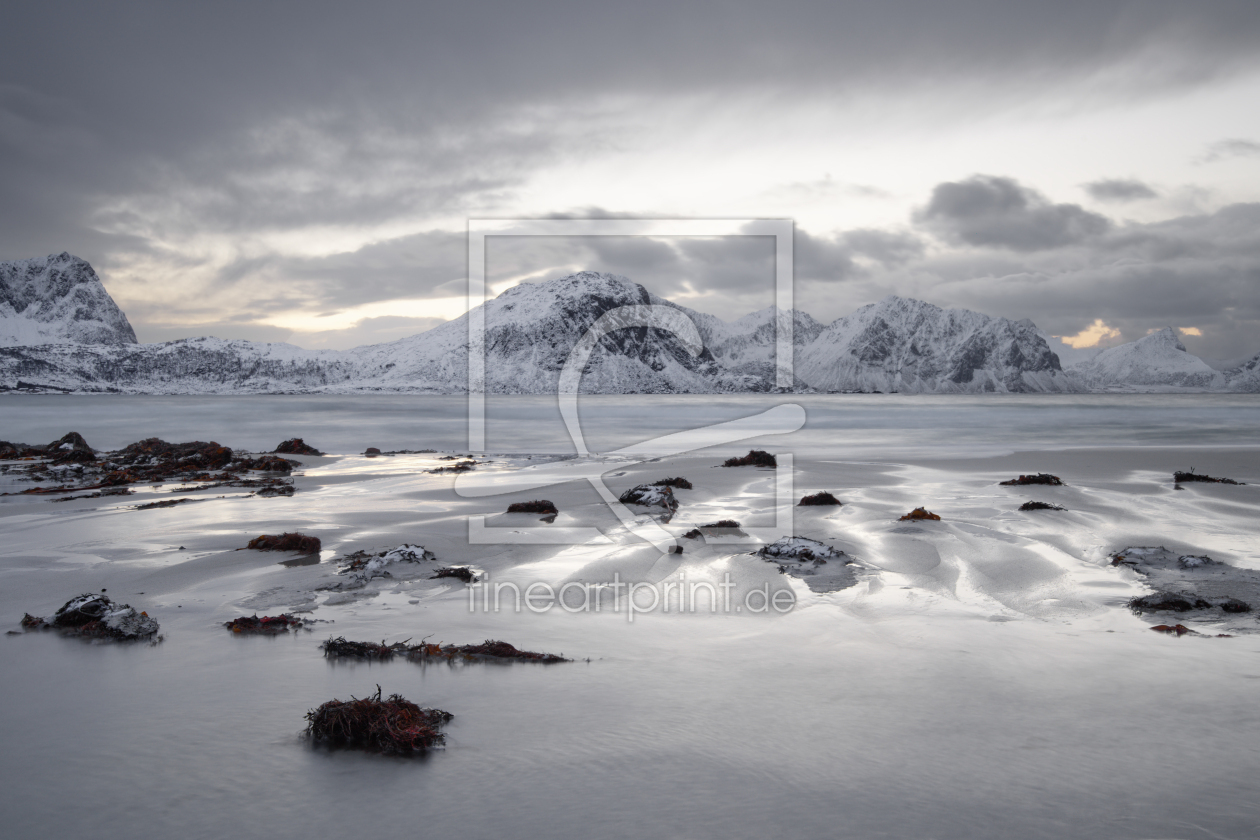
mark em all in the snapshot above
pixel 489 650
pixel 678 482
pixel 342 648
pixel 1183 477
pixel 823 498
pixel 919 514
pixel 393 726
pixel 754 458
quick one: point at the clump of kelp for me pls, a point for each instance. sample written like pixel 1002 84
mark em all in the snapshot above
pixel 1037 478
pixel 721 528
pixel 268 625
pixel 1040 506
pixel 94 616
pixel 1192 476
pixel 677 482
pixel 819 499
pixel 754 458
pixel 489 650
pixel 540 506
pixel 286 542
pixel 464 573
pixel 393 725
pixel 920 514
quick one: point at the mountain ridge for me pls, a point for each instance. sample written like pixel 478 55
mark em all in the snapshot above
pixel 894 345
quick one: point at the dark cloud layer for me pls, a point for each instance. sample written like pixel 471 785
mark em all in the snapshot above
pixel 1120 189
pixel 991 211
pixel 239 115
pixel 127 127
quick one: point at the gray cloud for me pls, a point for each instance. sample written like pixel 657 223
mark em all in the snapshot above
pixel 1195 271
pixel 992 211
pixel 1232 148
pixel 1119 189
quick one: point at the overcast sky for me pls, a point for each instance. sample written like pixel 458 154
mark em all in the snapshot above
pixel 305 171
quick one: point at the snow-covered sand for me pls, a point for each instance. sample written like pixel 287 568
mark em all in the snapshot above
pixel 981 678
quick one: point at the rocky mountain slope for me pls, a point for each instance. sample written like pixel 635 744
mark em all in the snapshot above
pixel 909 346
pixel 58 299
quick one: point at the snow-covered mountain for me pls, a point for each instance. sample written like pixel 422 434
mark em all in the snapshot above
pixel 910 346
pixel 530 330
pixel 60 329
pixel 1245 377
pixel 1155 362
pixel 58 299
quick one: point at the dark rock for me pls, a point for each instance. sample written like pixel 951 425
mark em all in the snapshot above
pixel 97 617
pixel 1039 478
pixel 371 452
pixel 296 446
pixel 650 495
pixel 459 572
pixel 286 542
pixel 1167 602
pixel 819 499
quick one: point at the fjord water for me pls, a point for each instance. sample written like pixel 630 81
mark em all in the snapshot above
pixel 919 706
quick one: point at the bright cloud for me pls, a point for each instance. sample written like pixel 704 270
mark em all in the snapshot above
pixel 1090 336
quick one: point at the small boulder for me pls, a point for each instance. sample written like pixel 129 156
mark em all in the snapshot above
pixel 650 495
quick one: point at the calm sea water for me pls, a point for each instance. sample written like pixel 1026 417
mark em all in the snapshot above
pixel 891 425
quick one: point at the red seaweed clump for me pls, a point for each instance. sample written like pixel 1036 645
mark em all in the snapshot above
pixel 267 625
pixel 393 726
pixel 754 458
pixel 919 514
